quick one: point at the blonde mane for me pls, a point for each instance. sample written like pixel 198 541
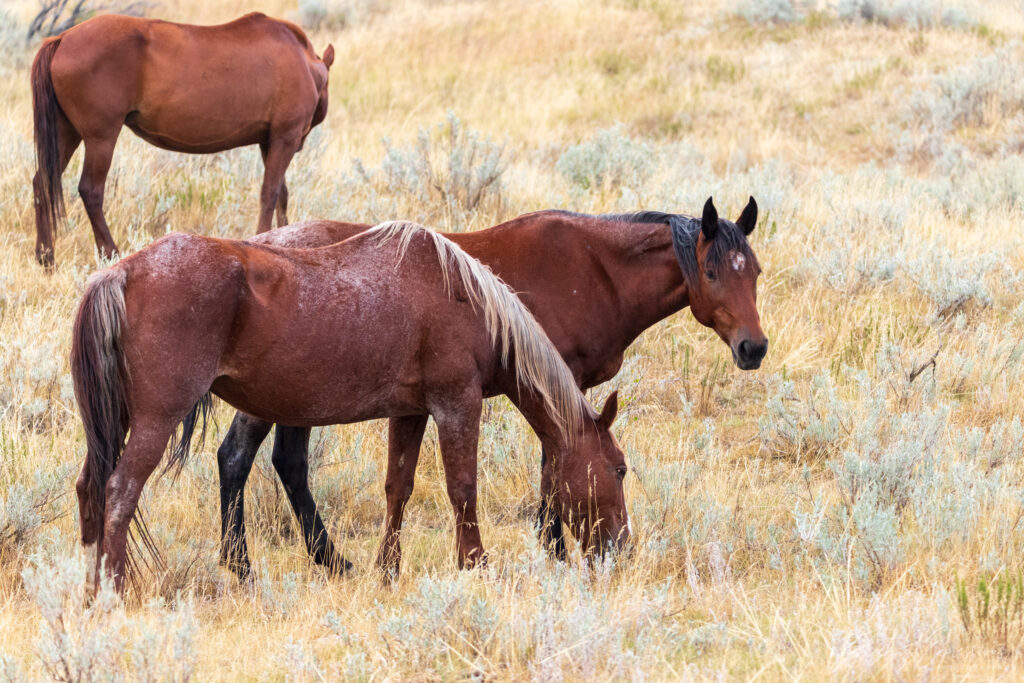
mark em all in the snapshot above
pixel 538 365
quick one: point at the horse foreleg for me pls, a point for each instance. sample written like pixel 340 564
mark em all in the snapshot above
pixel 277 154
pixel 68 141
pixel 404 437
pixel 458 431
pixel 291 460
pixel 141 455
pixel 282 205
pixel 98 154
pixel 550 532
pixel 234 461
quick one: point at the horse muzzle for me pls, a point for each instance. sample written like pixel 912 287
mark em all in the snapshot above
pixel 748 354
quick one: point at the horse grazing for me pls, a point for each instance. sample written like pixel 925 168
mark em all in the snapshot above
pixel 594 283
pixel 185 88
pixel 350 332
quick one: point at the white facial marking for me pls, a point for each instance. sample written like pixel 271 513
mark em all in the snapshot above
pixel 737 260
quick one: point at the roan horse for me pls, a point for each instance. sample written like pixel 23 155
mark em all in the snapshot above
pixel 345 333
pixel 196 89
pixel 594 283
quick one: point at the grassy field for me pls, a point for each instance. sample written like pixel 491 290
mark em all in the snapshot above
pixel 853 509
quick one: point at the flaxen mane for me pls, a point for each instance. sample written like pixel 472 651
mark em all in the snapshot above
pixel 512 327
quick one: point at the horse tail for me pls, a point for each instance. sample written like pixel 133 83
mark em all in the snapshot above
pixel 99 371
pixel 512 327
pixel 100 374
pixel 45 108
pixel 181 445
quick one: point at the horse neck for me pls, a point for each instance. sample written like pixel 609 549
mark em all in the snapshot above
pixel 533 408
pixel 648 281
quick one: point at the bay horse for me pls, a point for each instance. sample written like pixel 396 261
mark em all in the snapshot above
pixel 185 88
pixel 349 332
pixel 594 283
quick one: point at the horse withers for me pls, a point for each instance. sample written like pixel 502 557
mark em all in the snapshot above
pixel 397 322
pixel 594 283
pixel 196 89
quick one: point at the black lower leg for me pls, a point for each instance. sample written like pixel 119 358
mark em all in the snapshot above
pixel 290 458
pixel 549 522
pixel 234 460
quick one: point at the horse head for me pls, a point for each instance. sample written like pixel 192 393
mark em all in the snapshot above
pixel 724 293
pixel 588 489
pixel 321 106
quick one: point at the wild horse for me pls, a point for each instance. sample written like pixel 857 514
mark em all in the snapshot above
pixel 185 88
pixel 594 283
pixel 350 332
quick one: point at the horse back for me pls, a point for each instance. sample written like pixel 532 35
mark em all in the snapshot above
pixel 310 234
pixel 184 87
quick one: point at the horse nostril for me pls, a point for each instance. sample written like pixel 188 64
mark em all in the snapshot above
pixel 749 351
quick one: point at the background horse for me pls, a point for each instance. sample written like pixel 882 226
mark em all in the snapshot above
pixel 595 283
pixel 323 336
pixel 185 88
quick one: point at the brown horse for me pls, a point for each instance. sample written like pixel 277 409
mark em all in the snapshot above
pixel 346 333
pixel 595 283
pixel 196 89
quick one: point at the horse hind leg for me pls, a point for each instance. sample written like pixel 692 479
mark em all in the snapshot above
pixel 291 460
pixel 282 205
pixel 404 438
pixel 277 154
pixel 98 154
pixel 68 140
pixel 141 456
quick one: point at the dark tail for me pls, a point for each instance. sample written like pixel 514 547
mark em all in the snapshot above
pixel 45 109
pixel 181 445
pixel 101 379
pixel 100 376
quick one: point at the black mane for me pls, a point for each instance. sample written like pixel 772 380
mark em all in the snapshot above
pixel 685 231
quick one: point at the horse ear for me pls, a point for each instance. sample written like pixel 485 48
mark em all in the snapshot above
pixel 328 57
pixel 610 410
pixel 748 219
pixel 709 222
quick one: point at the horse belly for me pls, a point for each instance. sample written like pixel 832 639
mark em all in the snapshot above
pixel 201 98
pixel 201 140
pixel 325 364
pixel 318 395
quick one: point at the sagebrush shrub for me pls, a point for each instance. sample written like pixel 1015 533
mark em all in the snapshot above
pixel 101 640
pixel 26 505
pixel 977 94
pixel 333 14
pixel 450 172
pixel 609 160
pixel 770 11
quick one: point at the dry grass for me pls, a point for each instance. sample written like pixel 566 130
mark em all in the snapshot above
pixel 807 520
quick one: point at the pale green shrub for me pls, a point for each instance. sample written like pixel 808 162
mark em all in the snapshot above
pixel 101 641
pixel 334 15
pixel 28 504
pixel 450 171
pixel 608 160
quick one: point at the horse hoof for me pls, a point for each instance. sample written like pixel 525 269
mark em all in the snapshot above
pixel 341 568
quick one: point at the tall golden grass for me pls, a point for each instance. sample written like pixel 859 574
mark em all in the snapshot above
pixel 768 543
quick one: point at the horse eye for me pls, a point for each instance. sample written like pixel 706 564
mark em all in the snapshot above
pixel 621 471
pixel 710 274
